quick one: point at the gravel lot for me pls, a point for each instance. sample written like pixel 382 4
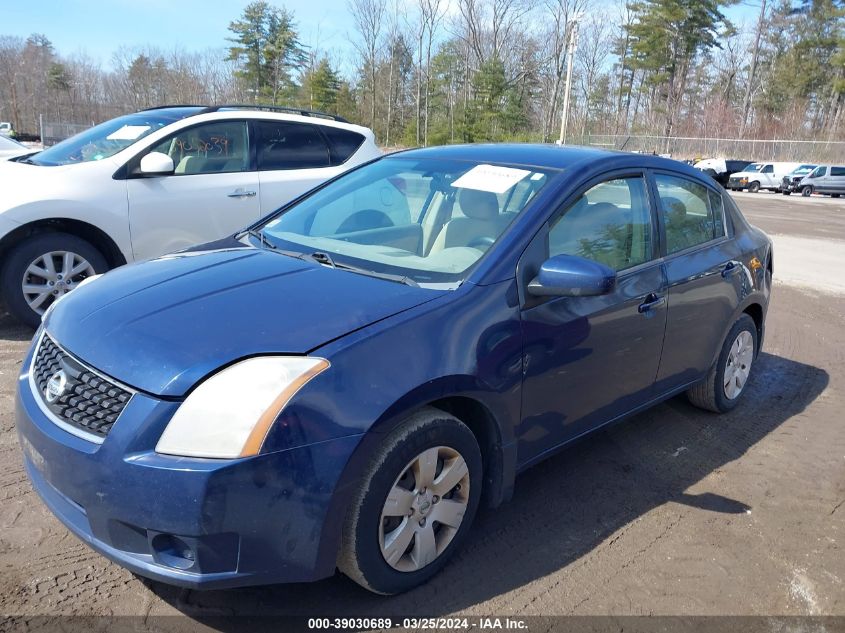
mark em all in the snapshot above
pixel 676 511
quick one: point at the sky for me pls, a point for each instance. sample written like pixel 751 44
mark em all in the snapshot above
pixel 98 28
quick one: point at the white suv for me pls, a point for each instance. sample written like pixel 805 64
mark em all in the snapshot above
pixel 154 182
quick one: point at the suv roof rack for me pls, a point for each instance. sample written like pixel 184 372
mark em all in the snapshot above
pixel 274 108
pixel 174 105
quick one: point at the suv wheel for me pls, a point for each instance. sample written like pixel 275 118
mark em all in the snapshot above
pixel 807 191
pixel 415 504
pixel 725 383
pixel 43 268
pixel 754 187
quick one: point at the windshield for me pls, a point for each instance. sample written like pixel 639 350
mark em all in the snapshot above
pixel 427 220
pixel 106 139
pixel 803 170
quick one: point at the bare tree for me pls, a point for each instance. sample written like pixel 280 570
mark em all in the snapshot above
pixel 368 16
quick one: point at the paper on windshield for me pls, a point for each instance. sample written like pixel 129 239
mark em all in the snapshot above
pixel 128 133
pixel 491 178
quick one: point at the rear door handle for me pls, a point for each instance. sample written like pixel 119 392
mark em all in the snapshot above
pixel 651 301
pixel 241 193
pixel 730 270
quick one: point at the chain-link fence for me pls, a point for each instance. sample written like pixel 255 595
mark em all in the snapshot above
pixel 52 133
pixel 688 147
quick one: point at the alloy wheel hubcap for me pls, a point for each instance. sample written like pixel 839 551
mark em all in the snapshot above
pixel 51 275
pixel 424 509
pixel 738 365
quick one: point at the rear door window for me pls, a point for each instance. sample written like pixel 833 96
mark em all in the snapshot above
pixel 284 145
pixel 687 213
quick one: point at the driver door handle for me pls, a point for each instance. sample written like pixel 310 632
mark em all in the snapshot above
pixel 241 193
pixel 652 301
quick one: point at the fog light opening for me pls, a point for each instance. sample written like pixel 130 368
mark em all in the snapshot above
pixel 173 552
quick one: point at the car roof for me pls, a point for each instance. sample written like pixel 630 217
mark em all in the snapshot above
pixel 549 156
pixel 183 110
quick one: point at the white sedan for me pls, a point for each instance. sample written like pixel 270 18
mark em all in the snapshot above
pixel 154 182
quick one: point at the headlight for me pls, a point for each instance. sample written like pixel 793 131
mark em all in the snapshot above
pixel 229 414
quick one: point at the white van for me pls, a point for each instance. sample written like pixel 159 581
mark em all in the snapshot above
pixel 761 176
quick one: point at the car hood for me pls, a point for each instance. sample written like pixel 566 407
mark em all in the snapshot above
pixel 162 325
pixel 22 183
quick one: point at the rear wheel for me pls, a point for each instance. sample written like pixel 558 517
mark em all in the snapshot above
pixel 721 389
pixel 754 187
pixel 43 268
pixel 415 504
pixel 807 191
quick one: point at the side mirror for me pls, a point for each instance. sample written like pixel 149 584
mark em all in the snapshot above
pixel 156 164
pixel 572 276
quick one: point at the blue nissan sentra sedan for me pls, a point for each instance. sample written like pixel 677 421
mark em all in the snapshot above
pixel 342 384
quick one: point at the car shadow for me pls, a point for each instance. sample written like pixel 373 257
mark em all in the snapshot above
pixel 11 329
pixel 561 510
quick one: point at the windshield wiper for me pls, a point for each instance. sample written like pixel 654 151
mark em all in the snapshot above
pixel 259 235
pixel 326 260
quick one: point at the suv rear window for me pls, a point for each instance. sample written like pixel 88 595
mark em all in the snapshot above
pixel 343 143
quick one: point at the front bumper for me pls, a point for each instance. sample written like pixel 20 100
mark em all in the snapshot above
pixel 199 523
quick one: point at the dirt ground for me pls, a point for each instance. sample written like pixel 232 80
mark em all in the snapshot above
pixel 676 511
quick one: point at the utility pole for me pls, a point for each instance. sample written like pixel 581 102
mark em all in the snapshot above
pixel 746 101
pixel 570 57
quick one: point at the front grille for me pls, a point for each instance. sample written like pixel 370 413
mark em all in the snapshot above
pixel 87 401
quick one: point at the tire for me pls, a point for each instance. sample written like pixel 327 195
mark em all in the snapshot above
pixel 786 193
pixel 14 274
pixel 754 187
pixel 364 547
pixel 807 191
pixel 712 394
pixel 834 195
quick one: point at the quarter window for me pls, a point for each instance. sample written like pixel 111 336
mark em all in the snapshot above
pixel 343 143
pixel 610 224
pixel 211 148
pixel 687 213
pixel 284 145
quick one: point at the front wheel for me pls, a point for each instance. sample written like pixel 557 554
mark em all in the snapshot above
pixel 721 389
pixel 43 268
pixel 807 191
pixel 786 193
pixel 415 504
pixel 754 187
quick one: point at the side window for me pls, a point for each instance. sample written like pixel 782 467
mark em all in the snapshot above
pixel 343 143
pixel 818 171
pixel 610 224
pixel 837 171
pixel 282 145
pixel 768 169
pixel 210 148
pixel 686 212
